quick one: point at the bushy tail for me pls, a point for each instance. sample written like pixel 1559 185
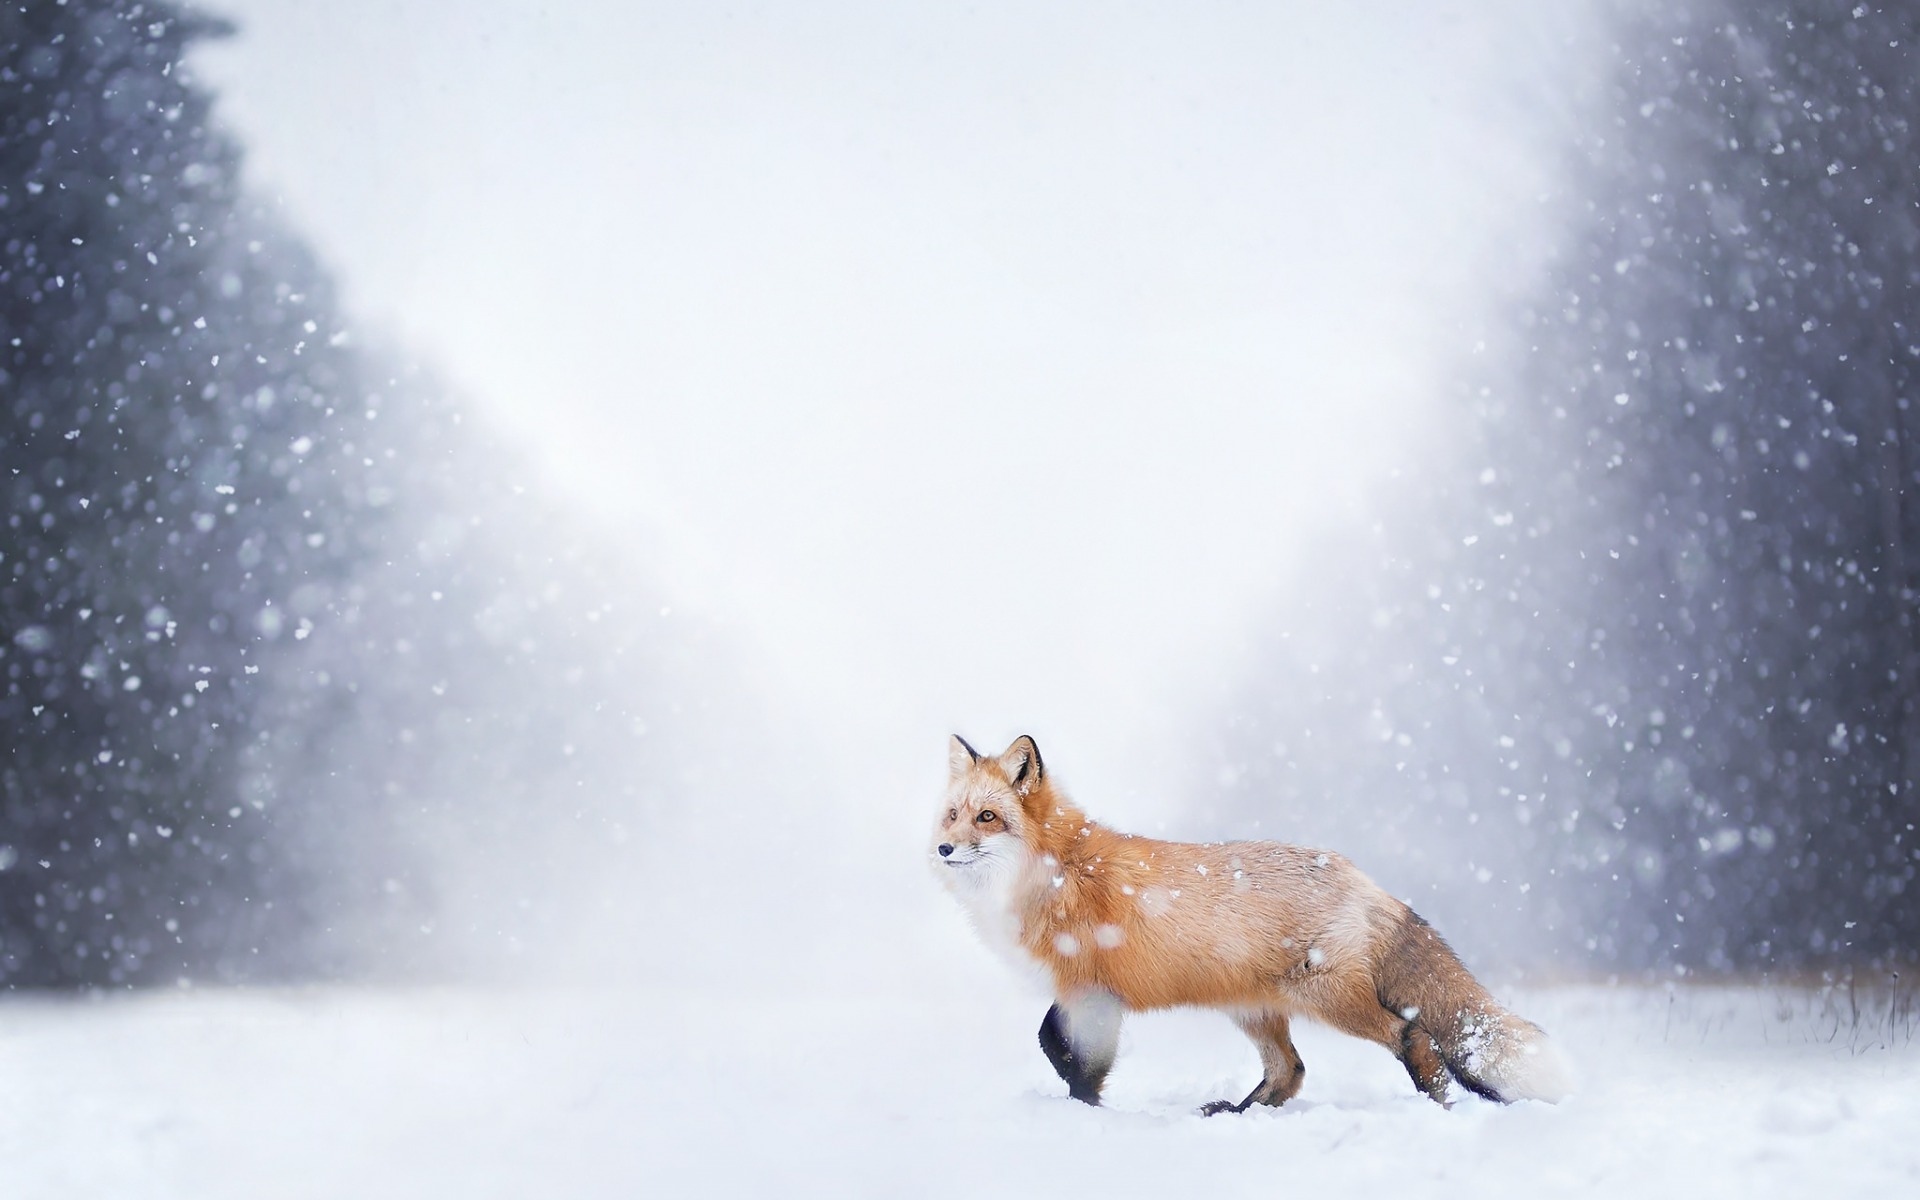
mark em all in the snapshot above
pixel 1490 1051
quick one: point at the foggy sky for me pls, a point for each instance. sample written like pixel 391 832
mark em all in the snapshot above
pixel 986 368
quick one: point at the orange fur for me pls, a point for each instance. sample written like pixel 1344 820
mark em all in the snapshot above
pixel 1262 930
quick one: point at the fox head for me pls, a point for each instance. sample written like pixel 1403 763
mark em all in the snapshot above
pixel 983 834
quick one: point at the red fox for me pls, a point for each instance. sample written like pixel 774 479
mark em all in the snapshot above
pixel 1261 930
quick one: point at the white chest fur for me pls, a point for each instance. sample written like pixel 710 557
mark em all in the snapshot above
pixel 993 891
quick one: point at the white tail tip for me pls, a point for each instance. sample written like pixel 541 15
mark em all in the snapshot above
pixel 1533 1069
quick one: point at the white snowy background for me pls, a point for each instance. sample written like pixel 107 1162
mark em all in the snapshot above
pixel 983 366
pixel 981 369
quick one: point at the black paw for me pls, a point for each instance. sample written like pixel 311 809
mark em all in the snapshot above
pixel 1260 1093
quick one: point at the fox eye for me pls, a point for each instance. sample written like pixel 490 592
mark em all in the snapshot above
pixel 952 813
pixel 986 817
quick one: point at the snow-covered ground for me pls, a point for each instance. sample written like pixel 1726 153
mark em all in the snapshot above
pixel 932 1088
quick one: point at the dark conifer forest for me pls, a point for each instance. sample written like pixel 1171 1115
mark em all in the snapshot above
pixel 281 633
pixel 1639 671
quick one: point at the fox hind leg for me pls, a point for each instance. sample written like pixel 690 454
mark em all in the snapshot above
pixel 1420 1055
pixel 1430 1062
pixel 1402 1034
pixel 1080 1037
pixel 1283 1072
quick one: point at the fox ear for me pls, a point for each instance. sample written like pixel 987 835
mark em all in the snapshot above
pixel 1022 764
pixel 960 756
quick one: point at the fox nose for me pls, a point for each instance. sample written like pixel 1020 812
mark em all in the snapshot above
pixel 946 848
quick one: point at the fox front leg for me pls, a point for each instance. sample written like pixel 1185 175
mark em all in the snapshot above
pixel 1082 1083
pixel 1080 1036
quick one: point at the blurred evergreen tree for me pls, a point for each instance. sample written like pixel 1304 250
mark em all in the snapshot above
pixel 295 671
pixel 1720 377
pixel 1659 649
pixel 176 450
